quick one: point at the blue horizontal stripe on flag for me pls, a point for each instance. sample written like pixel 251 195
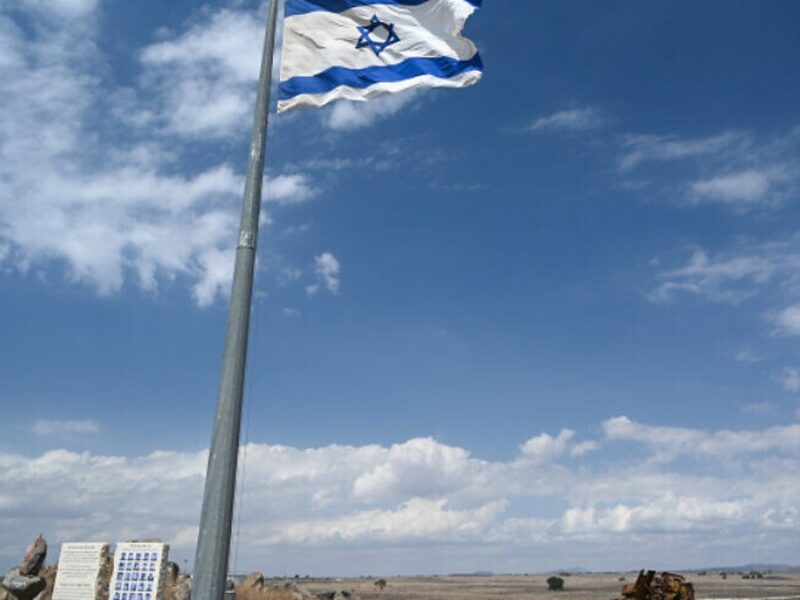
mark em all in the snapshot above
pixel 301 7
pixel 443 67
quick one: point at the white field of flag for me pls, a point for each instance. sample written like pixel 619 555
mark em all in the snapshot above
pixel 362 49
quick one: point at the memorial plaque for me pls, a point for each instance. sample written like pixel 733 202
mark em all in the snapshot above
pixel 79 571
pixel 138 571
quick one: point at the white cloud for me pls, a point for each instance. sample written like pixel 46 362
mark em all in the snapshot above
pixel 745 355
pixel 544 447
pixel 420 467
pixel 790 379
pixel 415 520
pixel 728 278
pixel 736 274
pixel 769 271
pixel 670 513
pixel 671 442
pixel 65 427
pixel 788 320
pixel 584 448
pixel 576 119
pixel 422 495
pixel 641 148
pixel 327 269
pixel 61 8
pixel 294 188
pixel 344 116
pixel 732 169
pixel 205 78
pixel 744 188
pixel 292 313
pixel 123 211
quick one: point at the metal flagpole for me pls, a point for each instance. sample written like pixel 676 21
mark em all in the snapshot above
pixel 214 541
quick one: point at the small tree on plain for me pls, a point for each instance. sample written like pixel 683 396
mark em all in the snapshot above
pixel 380 584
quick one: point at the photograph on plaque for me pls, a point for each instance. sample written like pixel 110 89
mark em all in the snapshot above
pixel 138 569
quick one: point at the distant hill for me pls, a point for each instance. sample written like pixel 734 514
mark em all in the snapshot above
pixel 573 570
pixel 753 567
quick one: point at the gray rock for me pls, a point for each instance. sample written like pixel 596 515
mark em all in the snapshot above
pixel 34 557
pixel 22 587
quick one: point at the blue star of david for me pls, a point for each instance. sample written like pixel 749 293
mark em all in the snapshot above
pixel 377 46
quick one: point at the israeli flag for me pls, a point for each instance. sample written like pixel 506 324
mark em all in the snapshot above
pixel 362 49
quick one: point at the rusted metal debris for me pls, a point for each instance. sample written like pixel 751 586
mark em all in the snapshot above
pixel 669 586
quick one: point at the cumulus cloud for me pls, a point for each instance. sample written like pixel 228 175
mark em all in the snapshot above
pixel 576 119
pixel 546 447
pixel 205 77
pixel 124 210
pixel 293 188
pixel 326 268
pixel 678 484
pixel 421 467
pixel 671 513
pixel 415 520
pixel 787 321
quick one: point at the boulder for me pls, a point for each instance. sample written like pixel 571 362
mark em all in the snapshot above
pixel 34 557
pixel 23 587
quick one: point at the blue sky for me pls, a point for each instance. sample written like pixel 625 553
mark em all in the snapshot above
pixel 518 326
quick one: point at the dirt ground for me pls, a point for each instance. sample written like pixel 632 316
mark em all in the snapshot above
pixel 783 586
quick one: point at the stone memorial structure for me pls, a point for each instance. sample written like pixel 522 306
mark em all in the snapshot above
pixel 23 582
pixel 81 572
pixel 138 571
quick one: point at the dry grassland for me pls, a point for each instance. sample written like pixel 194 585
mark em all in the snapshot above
pixel 273 593
pixel 577 587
